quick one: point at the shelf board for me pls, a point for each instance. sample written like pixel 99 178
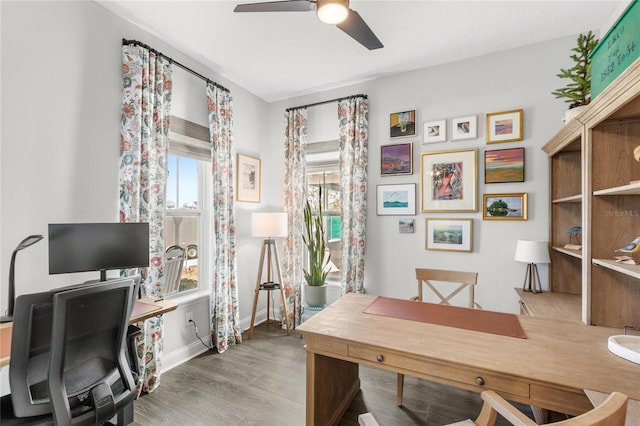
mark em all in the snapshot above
pixel 573 253
pixel 631 189
pixel 571 199
pixel 631 270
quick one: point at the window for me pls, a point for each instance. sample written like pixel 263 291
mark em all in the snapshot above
pixel 322 172
pixel 187 201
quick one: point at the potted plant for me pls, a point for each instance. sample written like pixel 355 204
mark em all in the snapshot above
pixel 578 91
pixel 319 257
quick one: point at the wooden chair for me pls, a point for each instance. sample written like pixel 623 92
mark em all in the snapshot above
pixel 612 412
pixel 435 280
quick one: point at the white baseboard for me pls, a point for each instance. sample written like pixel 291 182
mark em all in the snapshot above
pixel 183 354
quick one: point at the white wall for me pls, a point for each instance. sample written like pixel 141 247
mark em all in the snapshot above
pixel 514 79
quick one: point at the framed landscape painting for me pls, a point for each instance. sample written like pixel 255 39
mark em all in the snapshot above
pixel 504 126
pixel 504 206
pixel 504 165
pixel 448 181
pixel 396 199
pixel 396 159
pixel 449 234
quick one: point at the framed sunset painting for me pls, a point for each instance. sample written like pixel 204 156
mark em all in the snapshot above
pixel 504 165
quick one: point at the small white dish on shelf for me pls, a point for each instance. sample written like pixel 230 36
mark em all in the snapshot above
pixel 625 346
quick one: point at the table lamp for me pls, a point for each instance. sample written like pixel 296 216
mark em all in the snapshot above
pixel 532 253
pixel 29 241
pixel 269 225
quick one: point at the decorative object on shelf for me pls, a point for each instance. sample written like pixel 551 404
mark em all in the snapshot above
pixel 504 165
pixel 632 247
pixel 319 258
pixel 573 234
pixel 448 181
pixel 402 124
pixel 449 234
pixel 464 128
pixel 248 179
pixel 396 199
pixel 532 253
pixel 625 346
pixel 636 153
pixel 396 159
pixel 511 206
pixel 578 91
pixel 505 126
pixel 435 131
pixel 627 260
pixel 11 298
pixel 407 226
pixel 269 225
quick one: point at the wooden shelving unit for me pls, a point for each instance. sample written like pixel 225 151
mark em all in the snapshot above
pixel 592 175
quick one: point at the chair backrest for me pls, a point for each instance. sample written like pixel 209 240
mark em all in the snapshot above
pixel 612 412
pixel 174 260
pixel 96 317
pixel 88 352
pixel 429 278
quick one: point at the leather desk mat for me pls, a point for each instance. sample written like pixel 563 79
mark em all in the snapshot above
pixel 451 316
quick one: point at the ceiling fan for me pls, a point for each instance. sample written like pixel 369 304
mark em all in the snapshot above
pixel 335 12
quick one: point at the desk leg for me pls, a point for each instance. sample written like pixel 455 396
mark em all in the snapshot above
pixel 331 386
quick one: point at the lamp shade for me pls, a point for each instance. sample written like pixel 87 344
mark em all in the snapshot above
pixel 532 251
pixel 269 224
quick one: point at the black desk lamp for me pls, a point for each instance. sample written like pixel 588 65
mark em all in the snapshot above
pixel 30 240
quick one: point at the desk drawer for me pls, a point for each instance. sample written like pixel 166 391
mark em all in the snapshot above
pixel 474 379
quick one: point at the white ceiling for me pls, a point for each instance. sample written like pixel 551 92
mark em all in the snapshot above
pixel 286 54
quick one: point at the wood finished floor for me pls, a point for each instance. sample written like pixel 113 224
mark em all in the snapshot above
pixel 262 382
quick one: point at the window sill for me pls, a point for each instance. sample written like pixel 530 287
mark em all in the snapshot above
pixel 187 297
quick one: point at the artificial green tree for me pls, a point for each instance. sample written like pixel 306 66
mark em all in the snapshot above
pixel 578 91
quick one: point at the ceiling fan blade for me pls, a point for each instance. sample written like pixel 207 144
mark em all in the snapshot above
pixel 276 6
pixel 357 29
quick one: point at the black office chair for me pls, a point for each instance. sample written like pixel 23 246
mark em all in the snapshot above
pixel 68 357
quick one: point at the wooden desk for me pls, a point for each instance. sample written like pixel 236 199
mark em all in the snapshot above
pixel 549 369
pixel 144 308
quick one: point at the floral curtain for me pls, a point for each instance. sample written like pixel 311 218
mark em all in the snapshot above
pixel 225 319
pixel 354 136
pixel 295 189
pixel 146 104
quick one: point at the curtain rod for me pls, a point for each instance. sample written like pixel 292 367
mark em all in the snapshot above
pixel 327 102
pixel 200 76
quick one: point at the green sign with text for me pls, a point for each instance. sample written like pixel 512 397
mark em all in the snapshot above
pixel 617 50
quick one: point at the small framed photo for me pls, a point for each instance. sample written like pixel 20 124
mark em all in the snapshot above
pixel 504 165
pixel 504 126
pixel 511 206
pixel 435 131
pixel 407 226
pixel 449 234
pixel 464 128
pixel 248 179
pixel 448 181
pixel 402 124
pixel 396 159
pixel 396 199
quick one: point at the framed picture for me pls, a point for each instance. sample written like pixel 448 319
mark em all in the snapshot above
pixel 248 179
pixel 402 124
pixel 448 181
pixel 435 131
pixel 407 226
pixel 504 126
pixel 449 234
pixel 464 128
pixel 504 206
pixel 396 199
pixel 504 165
pixel 396 159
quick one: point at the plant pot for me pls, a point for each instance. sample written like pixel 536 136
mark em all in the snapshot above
pixel 315 296
pixel 570 114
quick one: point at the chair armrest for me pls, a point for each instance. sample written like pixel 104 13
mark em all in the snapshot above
pixel 496 403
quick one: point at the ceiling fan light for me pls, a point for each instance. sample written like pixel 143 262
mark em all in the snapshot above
pixel 332 12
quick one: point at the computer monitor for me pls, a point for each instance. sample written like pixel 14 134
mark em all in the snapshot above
pixel 84 247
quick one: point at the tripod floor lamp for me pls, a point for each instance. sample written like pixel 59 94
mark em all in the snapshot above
pixel 269 225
